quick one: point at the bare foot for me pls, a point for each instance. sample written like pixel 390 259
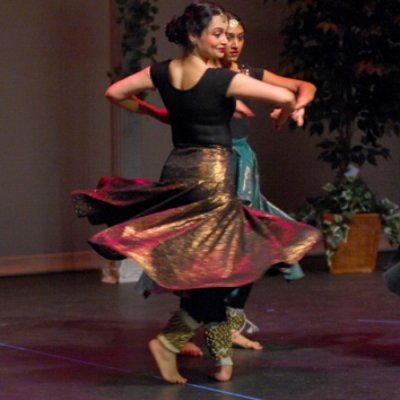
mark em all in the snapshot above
pixel 191 349
pixel 223 373
pixel 166 362
pixel 242 341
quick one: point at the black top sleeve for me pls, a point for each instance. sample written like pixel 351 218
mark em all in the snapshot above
pixel 223 78
pixel 158 71
pixel 257 73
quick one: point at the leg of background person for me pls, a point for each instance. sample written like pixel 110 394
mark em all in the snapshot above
pixel 391 277
pixel 394 260
pixel 291 272
pixel 237 318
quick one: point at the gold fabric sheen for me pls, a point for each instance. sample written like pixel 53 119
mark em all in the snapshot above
pixel 199 235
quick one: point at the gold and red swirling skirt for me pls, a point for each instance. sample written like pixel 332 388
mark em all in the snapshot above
pixel 190 230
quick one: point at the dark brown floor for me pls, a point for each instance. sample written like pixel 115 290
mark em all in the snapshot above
pixel 70 337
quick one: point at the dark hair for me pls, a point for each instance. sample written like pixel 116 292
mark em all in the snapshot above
pixel 196 17
pixel 231 15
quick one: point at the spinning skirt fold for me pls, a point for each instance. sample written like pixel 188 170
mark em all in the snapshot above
pixel 190 230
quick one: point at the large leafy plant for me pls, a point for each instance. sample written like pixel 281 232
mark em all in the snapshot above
pixel 350 50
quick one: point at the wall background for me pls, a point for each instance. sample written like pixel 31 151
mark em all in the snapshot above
pixel 54 123
pixel 56 128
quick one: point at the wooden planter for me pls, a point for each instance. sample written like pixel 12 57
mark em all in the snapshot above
pixel 359 252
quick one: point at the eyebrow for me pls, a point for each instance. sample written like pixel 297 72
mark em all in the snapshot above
pixel 218 28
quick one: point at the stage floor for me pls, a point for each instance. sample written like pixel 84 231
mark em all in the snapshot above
pixel 71 337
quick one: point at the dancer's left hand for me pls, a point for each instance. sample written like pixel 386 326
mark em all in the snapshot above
pixel 279 118
pixel 298 116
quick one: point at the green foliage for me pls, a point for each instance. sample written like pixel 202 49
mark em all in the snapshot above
pixel 345 198
pixel 350 50
pixel 137 19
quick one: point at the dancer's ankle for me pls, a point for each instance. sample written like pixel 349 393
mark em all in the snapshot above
pixel 222 373
pixel 166 362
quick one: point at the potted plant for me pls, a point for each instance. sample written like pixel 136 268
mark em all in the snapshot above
pixel 350 51
pixel 351 216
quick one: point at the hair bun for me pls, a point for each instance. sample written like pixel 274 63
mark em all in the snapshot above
pixel 195 18
pixel 175 31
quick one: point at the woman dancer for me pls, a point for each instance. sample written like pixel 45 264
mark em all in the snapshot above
pixel 190 232
pixel 248 181
pixel 247 170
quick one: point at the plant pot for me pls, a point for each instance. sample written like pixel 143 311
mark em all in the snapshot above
pixel 359 252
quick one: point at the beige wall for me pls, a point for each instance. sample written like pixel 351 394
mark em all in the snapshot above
pixel 55 124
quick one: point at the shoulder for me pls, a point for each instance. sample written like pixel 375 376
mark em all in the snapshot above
pixel 254 72
pixel 223 72
pixel 222 78
pixel 159 71
pixel 159 67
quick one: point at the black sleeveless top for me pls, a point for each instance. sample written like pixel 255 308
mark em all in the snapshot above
pixel 199 115
pixel 240 126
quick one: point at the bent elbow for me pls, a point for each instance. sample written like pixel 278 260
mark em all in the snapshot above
pixel 110 95
pixel 312 88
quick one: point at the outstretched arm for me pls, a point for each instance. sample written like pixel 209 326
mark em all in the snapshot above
pixel 242 110
pixel 124 94
pixel 304 91
pixel 247 87
pixel 121 92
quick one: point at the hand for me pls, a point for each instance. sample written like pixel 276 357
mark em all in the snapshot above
pixel 298 116
pixel 279 116
pixel 305 94
pixel 242 110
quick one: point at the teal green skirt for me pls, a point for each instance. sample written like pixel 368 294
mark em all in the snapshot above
pixel 248 189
